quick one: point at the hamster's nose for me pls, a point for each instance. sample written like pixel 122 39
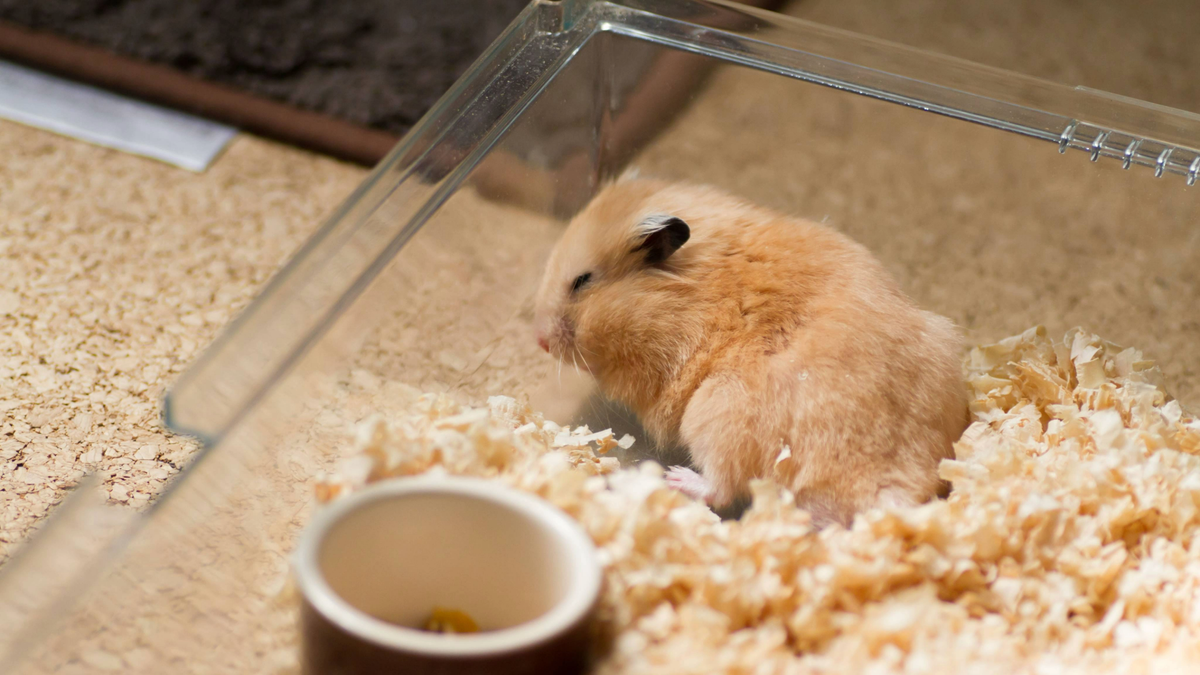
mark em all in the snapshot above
pixel 543 342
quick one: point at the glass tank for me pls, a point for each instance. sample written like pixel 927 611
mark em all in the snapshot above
pixel 998 200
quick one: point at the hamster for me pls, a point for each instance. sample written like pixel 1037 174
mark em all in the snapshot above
pixel 769 346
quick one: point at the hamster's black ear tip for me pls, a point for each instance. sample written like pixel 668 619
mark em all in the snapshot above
pixel 664 236
pixel 678 231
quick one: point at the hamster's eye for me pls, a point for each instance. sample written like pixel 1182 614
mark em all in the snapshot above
pixel 580 281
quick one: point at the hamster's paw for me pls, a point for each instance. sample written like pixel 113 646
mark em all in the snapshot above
pixel 689 483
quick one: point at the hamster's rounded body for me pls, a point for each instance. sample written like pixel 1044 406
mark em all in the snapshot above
pixel 742 333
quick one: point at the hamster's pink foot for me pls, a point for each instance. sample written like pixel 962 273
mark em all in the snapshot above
pixel 689 483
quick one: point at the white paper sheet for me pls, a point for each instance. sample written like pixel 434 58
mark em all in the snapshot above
pixel 97 116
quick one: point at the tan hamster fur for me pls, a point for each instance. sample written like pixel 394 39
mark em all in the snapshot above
pixel 739 331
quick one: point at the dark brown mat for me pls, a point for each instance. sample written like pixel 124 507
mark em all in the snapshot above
pixel 165 86
pixel 375 63
pixel 322 133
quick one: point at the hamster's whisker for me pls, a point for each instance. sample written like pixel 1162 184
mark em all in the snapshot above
pixel 587 366
pixel 583 358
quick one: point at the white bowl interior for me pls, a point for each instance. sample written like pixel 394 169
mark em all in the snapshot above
pixel 397 558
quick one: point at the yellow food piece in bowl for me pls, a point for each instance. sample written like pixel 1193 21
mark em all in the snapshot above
pixel 443 620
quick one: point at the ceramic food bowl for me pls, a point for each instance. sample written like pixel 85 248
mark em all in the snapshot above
pixel 372 566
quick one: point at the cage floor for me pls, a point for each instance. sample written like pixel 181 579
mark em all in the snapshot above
pixel 117 270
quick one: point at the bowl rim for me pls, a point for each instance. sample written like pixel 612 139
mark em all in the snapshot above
pixel 579 601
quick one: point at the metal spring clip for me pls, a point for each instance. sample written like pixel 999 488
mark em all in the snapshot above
pixel 1142 151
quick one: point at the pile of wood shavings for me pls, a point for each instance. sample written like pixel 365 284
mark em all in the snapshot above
pixel 1067 545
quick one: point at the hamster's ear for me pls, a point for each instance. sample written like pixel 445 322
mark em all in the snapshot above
pixel 661 237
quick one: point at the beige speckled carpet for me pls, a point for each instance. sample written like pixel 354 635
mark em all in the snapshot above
pixel 1142 50
pixel 115 270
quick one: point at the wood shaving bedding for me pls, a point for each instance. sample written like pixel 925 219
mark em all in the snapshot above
pixel 1068 544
